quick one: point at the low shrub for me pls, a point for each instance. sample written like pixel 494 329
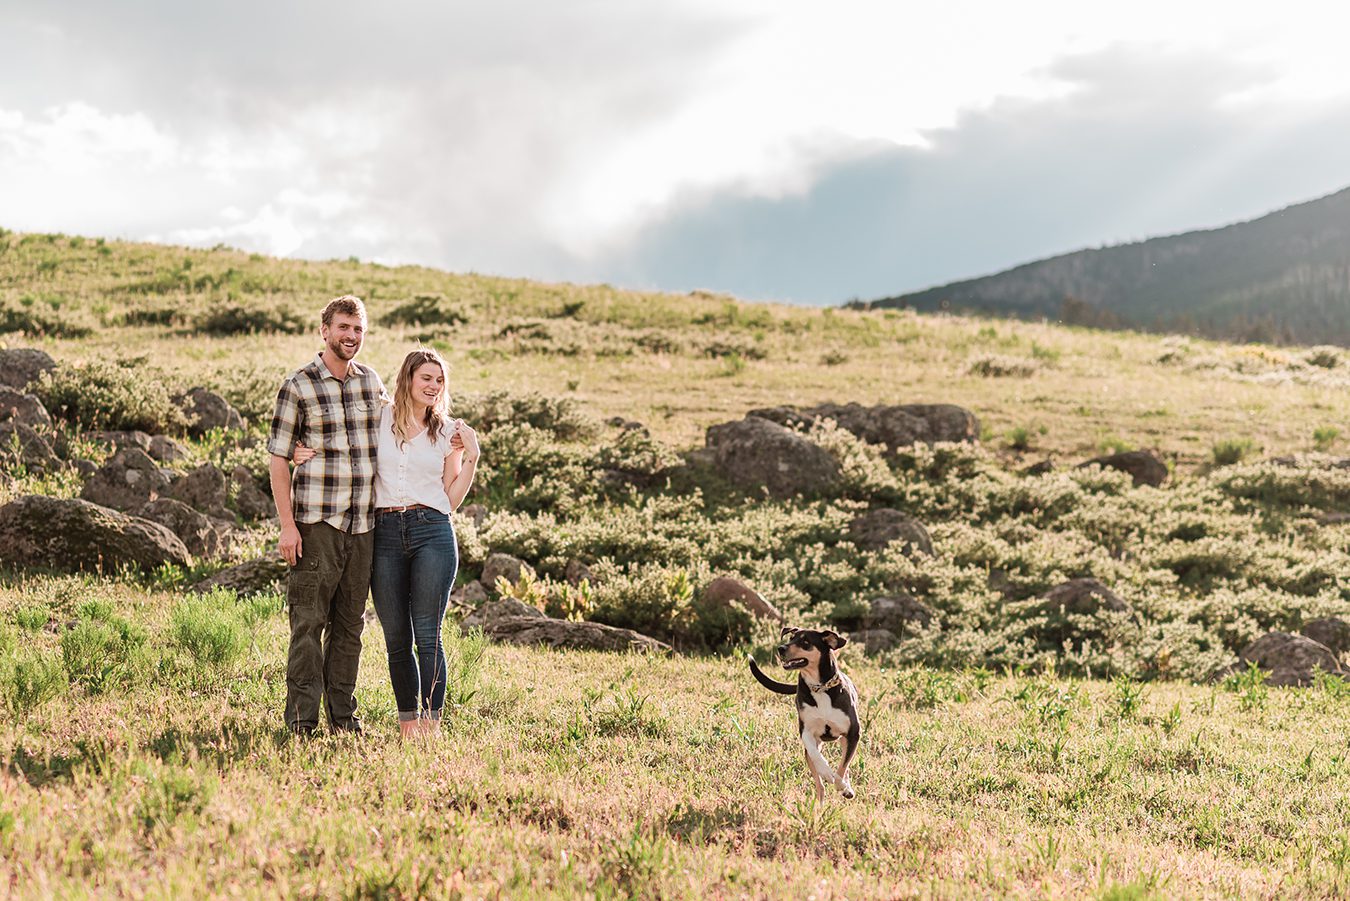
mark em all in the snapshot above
pixel 659 601
pixel 28 676
pixel 560 416
pixel 996 366
pixel 106 395
pixel 424 310
pixel 100 654
pixel 41 317
pixel 211 628
pixel 1231 450
pixel 1324 437
pixel 235 318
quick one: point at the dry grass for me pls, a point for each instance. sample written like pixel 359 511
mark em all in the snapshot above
pixel 588 775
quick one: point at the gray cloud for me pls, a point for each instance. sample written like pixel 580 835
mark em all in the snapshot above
pixel 1143 147
pixel 441 135
pixel 433 136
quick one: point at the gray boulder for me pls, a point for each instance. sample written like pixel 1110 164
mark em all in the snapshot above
pixel 1332 632
pixel 205 410
pixel 122 440
pixel 22 446
pixel 874 641
pixel 21 365
pixel 250 501
pixel 1144 467
pixel 1075 612
pixel 469 595
pixel 511 622
pixel 499 565
pixel 898 614
pixel 129 479
pixel 201 535
pixel 166 449
pixel 25 409
pixel 74 535
pixel 201 489
pixel 577 572
pixel 875 529
pixel 502 608
pixel 474 513
pixel 261 575
pixel 756 453
pixel 892 426
pixel 1289 659
pixel 724 590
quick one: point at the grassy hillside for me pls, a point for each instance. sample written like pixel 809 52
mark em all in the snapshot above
pixel 1010 752
pixel 1283 277
pixel 677 363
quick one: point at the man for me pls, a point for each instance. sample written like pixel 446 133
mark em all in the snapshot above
pixel 327 513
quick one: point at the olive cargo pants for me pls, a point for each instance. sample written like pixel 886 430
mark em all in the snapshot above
pixel 326 595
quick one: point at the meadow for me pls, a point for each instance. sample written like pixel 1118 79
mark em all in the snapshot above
pixel 1008 751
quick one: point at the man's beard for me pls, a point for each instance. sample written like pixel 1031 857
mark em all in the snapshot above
pixel 342 351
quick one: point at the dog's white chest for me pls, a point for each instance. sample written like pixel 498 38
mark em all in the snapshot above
pixel 824 715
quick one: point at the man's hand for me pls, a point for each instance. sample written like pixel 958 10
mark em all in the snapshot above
pixel 290 544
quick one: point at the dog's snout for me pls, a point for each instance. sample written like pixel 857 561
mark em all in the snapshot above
pixel 782 649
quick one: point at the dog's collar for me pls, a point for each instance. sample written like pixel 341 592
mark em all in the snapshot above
pixel 833 683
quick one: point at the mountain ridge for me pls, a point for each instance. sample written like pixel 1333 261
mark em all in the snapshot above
pixel 1283 277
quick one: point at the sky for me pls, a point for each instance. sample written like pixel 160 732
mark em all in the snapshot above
pixel 771 149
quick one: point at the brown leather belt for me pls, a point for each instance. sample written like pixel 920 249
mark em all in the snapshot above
pixel 380 510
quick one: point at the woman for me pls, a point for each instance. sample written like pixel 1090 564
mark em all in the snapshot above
pixel 424 468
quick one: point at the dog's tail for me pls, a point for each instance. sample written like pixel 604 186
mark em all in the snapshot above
pixel 783 688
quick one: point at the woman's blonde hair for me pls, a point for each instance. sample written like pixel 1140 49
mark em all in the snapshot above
pixel 438 414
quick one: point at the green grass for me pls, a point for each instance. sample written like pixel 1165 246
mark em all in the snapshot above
pixel 140 743
pixel 578 775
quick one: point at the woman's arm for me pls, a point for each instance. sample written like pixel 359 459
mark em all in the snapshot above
pixel 460 464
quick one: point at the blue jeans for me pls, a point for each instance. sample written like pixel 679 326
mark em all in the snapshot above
pixel 411 575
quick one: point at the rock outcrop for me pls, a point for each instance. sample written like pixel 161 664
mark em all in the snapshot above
pixel 20 366
pixel 74 535
pixel 1289 659
pixel 512 622
pixel 1144 467
pixel 201 489
pixel 725 590
pixel 503 565
pixel 261 575
pixel 129 479
pixel 892 426
pixel 1331 631
pixel 22 446
pixel 201 535
pixel 875 529
pixel 756 453
pixel 25 409
pixel 205 410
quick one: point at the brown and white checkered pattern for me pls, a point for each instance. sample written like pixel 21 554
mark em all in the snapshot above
pixel 340 420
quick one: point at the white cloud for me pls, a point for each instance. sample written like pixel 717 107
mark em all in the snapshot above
pixel 537 139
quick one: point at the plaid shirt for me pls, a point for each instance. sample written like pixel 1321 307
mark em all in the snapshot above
pixel 340 420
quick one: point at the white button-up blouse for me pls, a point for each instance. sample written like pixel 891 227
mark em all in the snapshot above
pixel 410 472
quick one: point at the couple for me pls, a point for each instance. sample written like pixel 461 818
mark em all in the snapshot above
pixel 367 510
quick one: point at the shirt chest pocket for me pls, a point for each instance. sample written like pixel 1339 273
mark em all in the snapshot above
pixel 326 428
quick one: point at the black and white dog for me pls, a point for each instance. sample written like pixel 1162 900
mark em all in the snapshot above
pixel 827 702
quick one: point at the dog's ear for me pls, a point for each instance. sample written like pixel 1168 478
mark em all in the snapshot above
pixel 833 639
pixel 787 630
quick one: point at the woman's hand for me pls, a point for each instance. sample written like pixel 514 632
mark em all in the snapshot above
pixel 302 454
pixel 465 439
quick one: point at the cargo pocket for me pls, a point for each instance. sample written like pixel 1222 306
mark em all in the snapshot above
pixel 302 590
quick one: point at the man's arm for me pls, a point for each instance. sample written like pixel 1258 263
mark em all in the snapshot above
pixel 279 471
pixel 281 440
